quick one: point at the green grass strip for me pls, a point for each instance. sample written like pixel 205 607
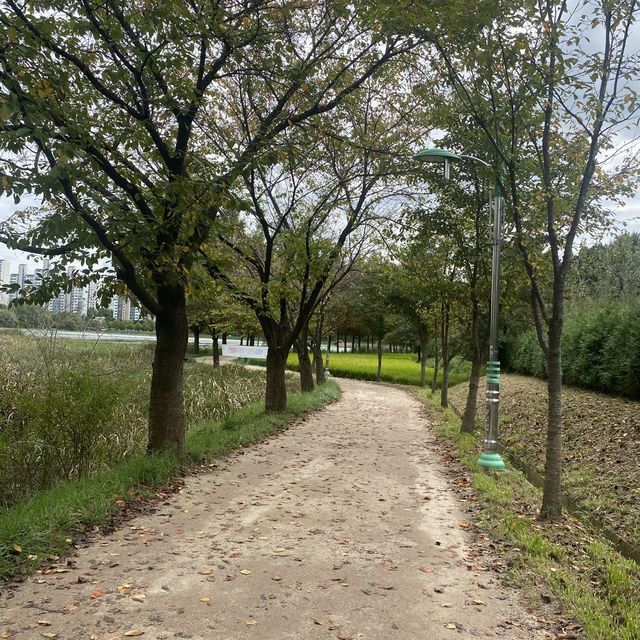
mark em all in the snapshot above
pixel 397 368
pixel 43 525
pixel 600 589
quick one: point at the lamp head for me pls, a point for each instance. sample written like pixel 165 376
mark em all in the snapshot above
pixel 438 156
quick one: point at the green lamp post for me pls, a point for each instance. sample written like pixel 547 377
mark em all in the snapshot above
pixel 490 458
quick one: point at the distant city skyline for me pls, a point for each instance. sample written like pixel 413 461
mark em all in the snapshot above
pixel 79 300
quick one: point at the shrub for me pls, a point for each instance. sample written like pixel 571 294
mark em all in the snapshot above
pixel 600 349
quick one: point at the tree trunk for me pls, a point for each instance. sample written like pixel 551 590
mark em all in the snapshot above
pixel 304 362
pixel 379 359
pixel 252 340
pixel 337 342
pixel 422 334
pixel 353 344
pixel 196 339
pixel 317 353
pixel 436 362
pixel 276 394
pixel 166 403
pixel 470 408
pixel 368 349
pixel 359 344
pixel 224 338
pixel 551 508
pixel 344 340
pixel 241 341
pixel 216 348
pixel 444 387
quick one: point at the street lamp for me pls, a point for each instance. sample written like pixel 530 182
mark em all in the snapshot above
pixel 490 458
pixel 327 373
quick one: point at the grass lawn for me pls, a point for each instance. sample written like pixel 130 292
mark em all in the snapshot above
pixel 400 368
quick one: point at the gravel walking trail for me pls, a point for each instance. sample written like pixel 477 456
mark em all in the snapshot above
pixel 341 527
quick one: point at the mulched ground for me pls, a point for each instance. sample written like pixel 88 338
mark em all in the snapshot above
pixel 601 446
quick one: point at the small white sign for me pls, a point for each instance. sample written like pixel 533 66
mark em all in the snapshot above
pixel 235 351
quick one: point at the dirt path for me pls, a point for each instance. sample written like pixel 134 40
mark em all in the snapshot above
pixel 342 527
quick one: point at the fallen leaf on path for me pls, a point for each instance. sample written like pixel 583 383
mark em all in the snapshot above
pixel 343 635
pixel 447 605
pixel 319 621
pixel 98 593
pixel 124 588
pixel 44 623
pixel 17 548
pixel 426 569
pixel 278 550
pixel 206 571
pixel 251 623
pixel 464 525
pixel 5 634
pixel 49 634
pixel 450 625
pixel 138 597
pixel 205 600
pixel 245 572
pixel 478 602
pixel 134 632
pixel 276 578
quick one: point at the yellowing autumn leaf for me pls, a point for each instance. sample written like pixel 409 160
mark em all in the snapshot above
pixel 251 623
pixel 245 572
pixel 134 632
pixel 5 634
pixel 17 548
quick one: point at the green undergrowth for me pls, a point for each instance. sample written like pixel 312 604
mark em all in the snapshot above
pixel 596 584
pixel 49 522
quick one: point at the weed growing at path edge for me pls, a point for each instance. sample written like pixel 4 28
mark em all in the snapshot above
pixel 46 524
pixel 597 585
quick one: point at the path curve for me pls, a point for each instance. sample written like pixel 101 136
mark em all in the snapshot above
pixel 341 527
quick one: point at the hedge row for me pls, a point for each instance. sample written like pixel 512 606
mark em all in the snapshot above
pixel 600 349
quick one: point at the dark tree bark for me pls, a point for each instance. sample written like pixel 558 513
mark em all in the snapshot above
pixel 353 344
pixel 337 342
pixel 216 348
pixel 318 363
pixel 166 405
pixel 241 341
pixel 196 338
pixel 304 362
pixel 344 340
pixel 551 508
pixel 359 344
pixel 422 354
pixel 252 340
pixel 379 359
pixel 224 338
pixel 276 394
pixel 444 388
pixel 436 364
pixel 470 408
